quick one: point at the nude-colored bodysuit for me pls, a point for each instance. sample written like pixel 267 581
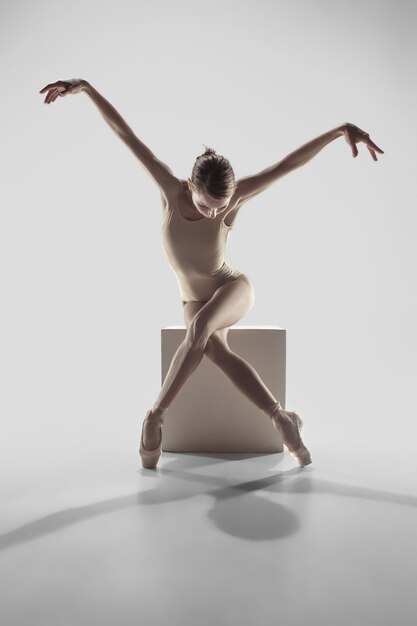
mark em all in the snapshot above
pixel 195 251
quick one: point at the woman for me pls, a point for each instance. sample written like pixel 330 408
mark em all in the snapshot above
pixel 198 216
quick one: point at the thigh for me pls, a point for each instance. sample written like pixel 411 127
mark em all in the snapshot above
pixel 190 309
pixel 218 338
pixel 228 305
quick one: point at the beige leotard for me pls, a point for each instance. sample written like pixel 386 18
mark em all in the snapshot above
pixel 195 249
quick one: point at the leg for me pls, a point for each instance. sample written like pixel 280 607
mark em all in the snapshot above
pixel 239 371
pixel 248 381
pixel 228 305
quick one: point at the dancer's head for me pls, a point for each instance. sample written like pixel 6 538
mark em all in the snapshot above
pixel 212 183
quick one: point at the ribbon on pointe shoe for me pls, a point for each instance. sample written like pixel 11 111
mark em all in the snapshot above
pixel 161 409
pixel 301 453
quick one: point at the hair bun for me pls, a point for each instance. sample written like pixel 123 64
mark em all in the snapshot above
pixel 209 150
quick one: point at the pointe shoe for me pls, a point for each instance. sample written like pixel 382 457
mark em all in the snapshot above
pixel 150 458
pixel 289 424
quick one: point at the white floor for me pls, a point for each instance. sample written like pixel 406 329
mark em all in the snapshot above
pixel 89 537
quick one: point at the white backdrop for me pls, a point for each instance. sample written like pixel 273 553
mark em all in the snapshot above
pixel 85 288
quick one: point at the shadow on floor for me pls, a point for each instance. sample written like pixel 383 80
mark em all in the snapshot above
pixel 239 509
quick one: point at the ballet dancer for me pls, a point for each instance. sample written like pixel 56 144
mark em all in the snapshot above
pixel 198 215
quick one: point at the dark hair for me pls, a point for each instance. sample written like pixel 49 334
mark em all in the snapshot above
pixel 213 174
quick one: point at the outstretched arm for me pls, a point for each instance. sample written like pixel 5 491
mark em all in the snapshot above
pixel 158 170
pixel 250 186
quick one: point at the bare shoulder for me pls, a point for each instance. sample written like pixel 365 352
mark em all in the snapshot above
pixel 171 190
pixel 235 204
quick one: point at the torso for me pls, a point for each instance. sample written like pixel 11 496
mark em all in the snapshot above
pixel 196 251
pixel 189 212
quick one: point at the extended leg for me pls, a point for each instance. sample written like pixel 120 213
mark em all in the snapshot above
pixel 248 381
pixel 241 373
pixel 228 305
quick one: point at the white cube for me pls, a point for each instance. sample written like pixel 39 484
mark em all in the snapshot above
pixel 210 414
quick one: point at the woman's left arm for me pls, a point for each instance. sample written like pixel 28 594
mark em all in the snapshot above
pixel 252 185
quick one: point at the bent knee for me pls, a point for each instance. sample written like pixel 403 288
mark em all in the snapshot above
pixel 198 334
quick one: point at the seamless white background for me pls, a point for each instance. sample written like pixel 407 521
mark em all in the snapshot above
pixel 330 248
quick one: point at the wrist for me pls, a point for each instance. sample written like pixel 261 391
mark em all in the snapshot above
pixel 85 86
pixel 341 129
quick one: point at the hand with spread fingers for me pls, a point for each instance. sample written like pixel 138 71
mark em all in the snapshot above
pixel 62 88
pixel 353 135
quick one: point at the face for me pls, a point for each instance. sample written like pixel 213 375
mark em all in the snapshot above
pixel 206 204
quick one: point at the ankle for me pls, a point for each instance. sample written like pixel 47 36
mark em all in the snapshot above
pixel 158 410
pixel 272 408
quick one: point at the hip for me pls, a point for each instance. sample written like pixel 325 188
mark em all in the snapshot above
pixel 200 288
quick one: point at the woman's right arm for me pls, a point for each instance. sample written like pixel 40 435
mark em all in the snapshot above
pixel 168 184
